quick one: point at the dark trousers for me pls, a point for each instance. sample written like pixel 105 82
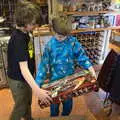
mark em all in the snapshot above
pixel 67 108
pixel 22 95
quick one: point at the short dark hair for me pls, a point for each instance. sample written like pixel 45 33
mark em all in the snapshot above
pixel 26 12
pixel 62 25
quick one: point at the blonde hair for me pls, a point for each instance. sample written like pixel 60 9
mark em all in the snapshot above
pixel 26 12
pixel 62 25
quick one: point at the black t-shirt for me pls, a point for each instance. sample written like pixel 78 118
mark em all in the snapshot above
pixel 20 49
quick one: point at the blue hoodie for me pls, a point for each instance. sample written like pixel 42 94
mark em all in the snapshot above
pixel 59 58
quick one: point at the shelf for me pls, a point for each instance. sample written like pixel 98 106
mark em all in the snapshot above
pixel 114 47
pixel 42 34
pixel 43 5
pixel 116 33
pixel 94 29
pixel 44 30
pixel 47 32
pixel 86 13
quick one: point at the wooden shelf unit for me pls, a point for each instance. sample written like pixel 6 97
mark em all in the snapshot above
pixel 55 8
pixel 43 33
pixel 87 13
pixel 94 29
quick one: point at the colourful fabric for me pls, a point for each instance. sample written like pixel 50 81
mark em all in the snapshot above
pixel 59 59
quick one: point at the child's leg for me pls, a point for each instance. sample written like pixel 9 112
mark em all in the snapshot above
pixel 54 110
pixel 22 95
pixel 67 107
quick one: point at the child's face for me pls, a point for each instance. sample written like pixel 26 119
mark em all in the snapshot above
pixel 30 26
pixel 60 37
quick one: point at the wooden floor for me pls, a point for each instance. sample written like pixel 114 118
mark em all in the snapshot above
pixel 6 105
pixel 88 105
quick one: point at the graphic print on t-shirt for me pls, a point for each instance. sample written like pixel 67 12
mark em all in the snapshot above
pixel 30 49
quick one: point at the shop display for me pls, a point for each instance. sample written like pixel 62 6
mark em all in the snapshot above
pixel 42 30
pixel 3 64
pixel 92 43
pixel 115 5
pixel 43 15
pixel 92 23
pixel 71 86
pixel 7 10
pixel 85 5
pixel 98 21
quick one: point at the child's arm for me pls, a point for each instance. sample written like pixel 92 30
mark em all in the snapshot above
pixel 82 58
pixel 21 55
pixel 43 95
pixel 43 67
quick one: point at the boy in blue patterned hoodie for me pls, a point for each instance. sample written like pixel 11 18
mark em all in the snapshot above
pixel 59 58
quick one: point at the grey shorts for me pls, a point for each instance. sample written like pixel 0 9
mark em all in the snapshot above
pixel 22 95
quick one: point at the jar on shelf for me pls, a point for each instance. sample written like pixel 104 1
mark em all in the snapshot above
pixel 91 22
pixel 72 7
pixel 75 25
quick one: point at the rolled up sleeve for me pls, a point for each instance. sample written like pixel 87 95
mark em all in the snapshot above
pixel 80 56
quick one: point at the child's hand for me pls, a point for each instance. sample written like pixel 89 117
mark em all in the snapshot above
pixel 92 71
pixel 94 75
pixel 44 96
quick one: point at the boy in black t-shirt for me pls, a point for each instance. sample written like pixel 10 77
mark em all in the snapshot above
pixel 21 64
